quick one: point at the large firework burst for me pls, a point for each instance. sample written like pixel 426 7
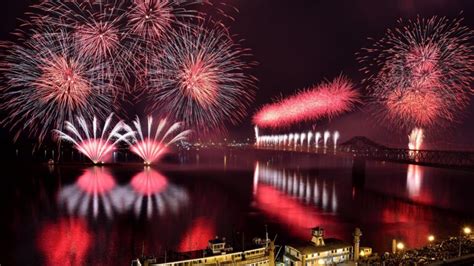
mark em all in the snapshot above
pixel 199 78
pixel 327 99
pixel 98 30
pixel 420 73
pixel 46 82
pixel 149 23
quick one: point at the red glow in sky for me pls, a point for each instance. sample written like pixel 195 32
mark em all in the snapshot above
pixel 328 99
pixel 65 242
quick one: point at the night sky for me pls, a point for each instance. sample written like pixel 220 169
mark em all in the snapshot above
pixel 301 43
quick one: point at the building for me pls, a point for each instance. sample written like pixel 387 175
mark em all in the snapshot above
pixel 318 251
pixel 219 253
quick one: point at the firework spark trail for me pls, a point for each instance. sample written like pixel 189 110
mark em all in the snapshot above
pixel 96 145
pixel 46 82
pixel 415 139
pixel 328 99
pixel 420 73
pixel 151 147
pixel 199 79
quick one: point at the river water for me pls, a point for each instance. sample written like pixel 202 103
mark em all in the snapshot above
pixel 80 214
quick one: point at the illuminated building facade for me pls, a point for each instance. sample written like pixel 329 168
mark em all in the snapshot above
pixel 318 251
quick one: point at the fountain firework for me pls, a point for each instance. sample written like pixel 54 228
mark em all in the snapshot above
pixel 335 138
pixel 327 99
pixel 420 74
pixel 257 139
pixel 151 147
pixel 317 137
pixel 327 134
pixel 96 145
pixel 302 138
pixel 415 139
pixel 310 135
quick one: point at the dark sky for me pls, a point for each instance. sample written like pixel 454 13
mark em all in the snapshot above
pixel 299 43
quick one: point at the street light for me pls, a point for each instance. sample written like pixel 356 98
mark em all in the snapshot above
pixel 400 246
pixel 467 231
pixel 321 262
pixel 431 238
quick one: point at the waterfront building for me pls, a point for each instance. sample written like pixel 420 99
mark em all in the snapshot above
pixel 318 251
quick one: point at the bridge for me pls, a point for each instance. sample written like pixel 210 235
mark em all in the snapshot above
pixel 362 148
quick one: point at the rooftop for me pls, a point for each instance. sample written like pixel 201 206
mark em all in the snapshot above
pixel 308 247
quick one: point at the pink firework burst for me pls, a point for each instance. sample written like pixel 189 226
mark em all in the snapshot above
pixel 151 19
pixel 327 99
pixel 98 40
pixel 152 145
pixel 420 74
pixel 95 144
pixel 98 28
pixel 198 77
pixel 97 25
pixel 46 82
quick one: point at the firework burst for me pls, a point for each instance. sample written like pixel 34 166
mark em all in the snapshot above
pixel 199 79
pixel 420 74
pixel 328 99
pixel 96 145
pixel 98 30
pixel 152 146
pixel 151 19
pixel 46 82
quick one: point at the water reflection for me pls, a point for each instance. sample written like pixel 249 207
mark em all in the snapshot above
pixel 149 191
pixel 414 180
pixel 198 234
pixel 96 191
pixel 66 242
pixel 296 184
pixel 286 196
